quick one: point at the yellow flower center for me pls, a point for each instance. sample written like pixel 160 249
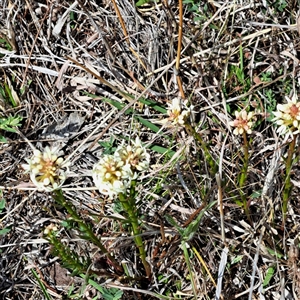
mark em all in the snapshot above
pixel 174 114
pixel 112 172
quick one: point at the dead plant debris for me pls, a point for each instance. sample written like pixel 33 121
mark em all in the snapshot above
pixel 86 75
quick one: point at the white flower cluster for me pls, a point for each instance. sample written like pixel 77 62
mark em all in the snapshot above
pixel 243 122
pixel 113 173
pixel 287 117
pixel 47 170
pixel 50 228
pixel 177 115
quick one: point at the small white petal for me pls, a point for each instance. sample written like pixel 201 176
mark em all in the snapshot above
pixel 280 107
pixel 244 115
pixel 36 152
pixel 236 131
pixel 278 114
pixel 46 181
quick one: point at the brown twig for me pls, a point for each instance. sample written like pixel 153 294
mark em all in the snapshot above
pixel 108 48
pixel 34 42
pixel 126 34
pixel 177 65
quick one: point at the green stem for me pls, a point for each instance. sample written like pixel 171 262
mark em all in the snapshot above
pixel 59 198
pixel 287 184
pixel 208 157
pixel 69 258
pixel 187 259
pixel 244 172
pixel 243 176
pixel 129 206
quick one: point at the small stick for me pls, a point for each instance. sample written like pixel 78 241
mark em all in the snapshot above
pixel 220 202
pixel 179 49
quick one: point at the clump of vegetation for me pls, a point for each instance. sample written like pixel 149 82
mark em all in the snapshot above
pixel 149 150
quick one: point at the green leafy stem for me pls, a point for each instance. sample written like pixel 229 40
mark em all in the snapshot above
pixel 287 183
pixel 85 228
pixel 129 205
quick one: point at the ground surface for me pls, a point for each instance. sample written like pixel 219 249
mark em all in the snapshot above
pixel 234 55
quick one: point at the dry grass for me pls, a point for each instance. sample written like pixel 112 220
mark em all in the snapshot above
pixel 63 62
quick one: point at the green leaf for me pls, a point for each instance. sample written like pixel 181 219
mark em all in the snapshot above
pixel 6 44
pixel 10 122
pixel 188 1
pixel 7 128
pixel 256 194
pixel 148 124
pixel 236 259
pixel 192 228
pixel 173 223
pixel 14 121
pixel 72 16
pixel 68 224
pixel 143 121
pixel 10 96
pixel 71 289
pixel 108 146
pixel 275 253
pixel 4 231
pixel 162 150
pixel 118 105
pixel 3 139
pixel 154 105
pixel 142 2
pixel 41 284
pixel 112 294
pixel 269 275
pixel 2 204
pixel 107 294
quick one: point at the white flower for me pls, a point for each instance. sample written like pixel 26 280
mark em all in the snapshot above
pixel 242 122
pixel 287 117
pixel 135 155
pixel 177 116
pixel 111 176
pixel 50 228
pixel 47 171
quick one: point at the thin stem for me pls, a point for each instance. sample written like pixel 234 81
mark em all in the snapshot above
pixel 244 173
pixel 208 157
pixel 187 259
pixel 243 176
pixel 179 48
pixel 220 203
pixel 59 198
pixel 202 261
pixel 126 33
pixel 129 206
pixel 287 184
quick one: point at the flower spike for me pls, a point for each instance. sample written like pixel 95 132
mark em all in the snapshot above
pixel 287 117
pixel 47 171
pixel 135 155
pixel 111 176
pixel 242 122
